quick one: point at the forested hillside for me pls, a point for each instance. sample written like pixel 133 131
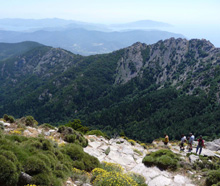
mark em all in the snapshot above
pixel 143 90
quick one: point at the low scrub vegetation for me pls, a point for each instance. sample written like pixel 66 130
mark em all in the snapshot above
pixel 43 160
pixel 164 159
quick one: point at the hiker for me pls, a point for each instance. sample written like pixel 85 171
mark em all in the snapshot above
pixel 200 145
pixel 183 140
pixel 166 139
pixel 191 140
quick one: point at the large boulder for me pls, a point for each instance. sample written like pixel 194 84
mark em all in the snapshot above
pixel 213 145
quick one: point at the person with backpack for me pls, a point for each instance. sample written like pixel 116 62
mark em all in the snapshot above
pixel 191 140
pixel 183 140
pixel 166 139
pixel 200 145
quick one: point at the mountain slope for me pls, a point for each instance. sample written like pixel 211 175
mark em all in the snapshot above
pixel 8 50
pixel 144 90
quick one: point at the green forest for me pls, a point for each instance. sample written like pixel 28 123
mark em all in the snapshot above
pixel 63 87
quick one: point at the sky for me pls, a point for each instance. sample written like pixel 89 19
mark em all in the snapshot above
pixel 192 18
pixel 115 11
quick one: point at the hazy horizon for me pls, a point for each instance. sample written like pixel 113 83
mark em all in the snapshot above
pixel 194 19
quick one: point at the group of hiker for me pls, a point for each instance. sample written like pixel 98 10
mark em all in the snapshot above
pixel 189 141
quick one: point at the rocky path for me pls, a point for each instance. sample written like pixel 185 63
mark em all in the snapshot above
pixel 130 158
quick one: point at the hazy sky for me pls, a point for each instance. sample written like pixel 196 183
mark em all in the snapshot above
pixel 111 11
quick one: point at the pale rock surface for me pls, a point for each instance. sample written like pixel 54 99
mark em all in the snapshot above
pixel 122 152
pixel 193 158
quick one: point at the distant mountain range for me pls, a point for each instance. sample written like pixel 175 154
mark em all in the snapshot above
pixel 87 42
pixel 60 24
pixel 80 37
pixel 172 86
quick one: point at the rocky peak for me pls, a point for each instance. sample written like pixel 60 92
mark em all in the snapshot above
pixel 171 60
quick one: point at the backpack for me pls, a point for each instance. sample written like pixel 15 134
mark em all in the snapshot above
pixel 200 142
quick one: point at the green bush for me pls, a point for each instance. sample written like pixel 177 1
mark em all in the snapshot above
pixel 166 162
pixel 47 163
pixel 5 117
pixel 9 173
pixel 164 159
pixel 76 125
pixel 71 138
pixel 42 179
pixel 139 179
pixel 107 151
pixel 61 128
pixel 2 127
pixel 10 119
pixel 30 121
pixel 213 177
pixel 97 133
pixel 81 159
pixel 47 126
pixel 149 160
pixel 34 165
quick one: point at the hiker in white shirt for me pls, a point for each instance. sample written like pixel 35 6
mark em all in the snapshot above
pixel 191 140
pixel 183 140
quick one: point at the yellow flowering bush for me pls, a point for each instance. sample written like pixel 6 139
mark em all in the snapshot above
pixel 111 174
pixel 111 167
pixel 114 179
pixel 61 144
pixel 17 131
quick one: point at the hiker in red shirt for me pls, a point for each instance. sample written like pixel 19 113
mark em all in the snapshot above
pixel 200 145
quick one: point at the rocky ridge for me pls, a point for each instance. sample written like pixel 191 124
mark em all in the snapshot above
pixel 129 155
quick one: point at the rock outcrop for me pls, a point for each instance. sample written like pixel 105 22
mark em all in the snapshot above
pixel 130 158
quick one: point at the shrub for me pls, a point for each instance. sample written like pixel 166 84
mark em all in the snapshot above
pixel 2 127
pixel 42 179
pixel 111 167
pixel 144 145
pixel 80 175
pixel 47 145
pixel 61 128
pixel 10 119
pixel 114 179
pixel 213 177
pixel 149 161
pixel 140 180
pixel 71 138
pixel 138 152
pixel 107 151
pixel 30 121
pixel 166 162
pixel 81 159
pixel 47 126
pixel 8 172
pixel 163 158
pixel 5 117
pixel 34 165
pixel 76 125
pixel 97 133
pixel 132 142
